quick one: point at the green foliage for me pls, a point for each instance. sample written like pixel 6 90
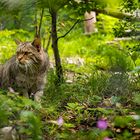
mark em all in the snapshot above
pixel 5 109
pixel 105 23
pixel 15 15
pixel 123 122
pixel 52 5
pixel 98 82
pixel 124 28
pixel 130 5
pixel 137 98
pixel 82 6
pixel 11 114
pixel 104 87
pixel 99 90
pixel 114 59
pixel 33 123
pixel 8 48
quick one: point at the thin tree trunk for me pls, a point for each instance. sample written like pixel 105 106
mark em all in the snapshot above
pixel 59 70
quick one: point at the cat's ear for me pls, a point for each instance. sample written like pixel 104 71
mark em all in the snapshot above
pixel 37 43
pixel 17 41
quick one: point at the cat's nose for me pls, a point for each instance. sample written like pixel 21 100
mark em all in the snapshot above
pixel 20 59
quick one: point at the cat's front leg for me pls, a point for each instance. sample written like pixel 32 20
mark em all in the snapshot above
pixel 24 93
pixel 40 87
pixel 38 95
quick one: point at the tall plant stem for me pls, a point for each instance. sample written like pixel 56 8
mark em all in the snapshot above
pixel 59 70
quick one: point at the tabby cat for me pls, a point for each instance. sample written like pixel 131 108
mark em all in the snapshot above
pixel 25 71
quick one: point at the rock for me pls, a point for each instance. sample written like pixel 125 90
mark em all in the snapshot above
pixel 75 60
pixel 8 133
pixel 137 131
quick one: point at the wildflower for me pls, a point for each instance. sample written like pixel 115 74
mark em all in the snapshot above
pixel 60 121
pixel 106 138
pixel 102 124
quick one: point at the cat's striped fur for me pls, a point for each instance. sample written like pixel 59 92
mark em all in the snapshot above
pixel 25 72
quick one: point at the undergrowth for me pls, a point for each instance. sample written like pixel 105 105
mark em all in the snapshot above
pixel 74 110
pixel 99 98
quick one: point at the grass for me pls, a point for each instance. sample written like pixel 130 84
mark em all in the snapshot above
pixel 104 88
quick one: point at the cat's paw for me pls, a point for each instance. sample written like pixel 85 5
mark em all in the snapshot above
pixel 38 95
pixel 11 90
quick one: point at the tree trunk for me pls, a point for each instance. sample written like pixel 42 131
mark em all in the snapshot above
pixel 59 70
pixel 90 22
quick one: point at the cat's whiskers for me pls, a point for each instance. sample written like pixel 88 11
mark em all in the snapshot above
pixel 30 68
pixel 35 66
pixel 35 60
pixel 26 68
pixel 16 64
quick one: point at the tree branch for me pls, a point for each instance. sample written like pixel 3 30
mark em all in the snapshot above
pixel 78 21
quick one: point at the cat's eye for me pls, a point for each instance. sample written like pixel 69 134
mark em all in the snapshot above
pixel 27 53
pixel 17 52
pixel 30 54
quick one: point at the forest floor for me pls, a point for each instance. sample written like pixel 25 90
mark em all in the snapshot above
pixel 98 100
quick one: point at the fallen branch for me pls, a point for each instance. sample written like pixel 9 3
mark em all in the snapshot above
pixel 118 15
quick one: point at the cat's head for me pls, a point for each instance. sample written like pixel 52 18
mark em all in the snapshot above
pixel 28 54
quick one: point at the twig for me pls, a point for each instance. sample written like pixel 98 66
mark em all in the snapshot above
pixel 48 43
pixel 35 23
pixel 78 21
pixel 40 24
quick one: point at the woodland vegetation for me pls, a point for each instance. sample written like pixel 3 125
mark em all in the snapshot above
pixel 93 83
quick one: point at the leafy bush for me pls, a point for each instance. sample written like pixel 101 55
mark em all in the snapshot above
pixel 124 28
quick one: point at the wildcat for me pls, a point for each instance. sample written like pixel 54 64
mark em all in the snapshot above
pixel 25 71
